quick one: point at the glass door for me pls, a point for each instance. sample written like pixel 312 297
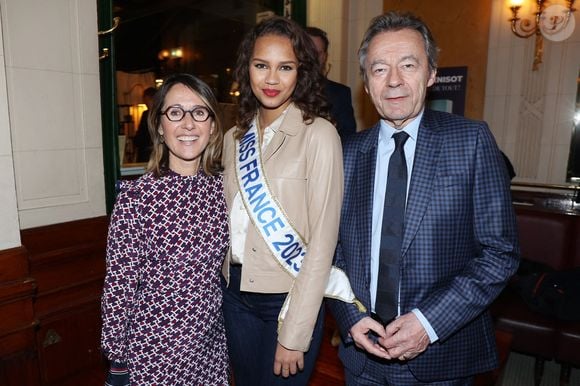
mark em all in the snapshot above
pixel 142 41
pixel 110 128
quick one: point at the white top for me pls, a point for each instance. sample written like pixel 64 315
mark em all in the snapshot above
pixel 239 219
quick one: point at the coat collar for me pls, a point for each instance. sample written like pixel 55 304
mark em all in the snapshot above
pixel 370 139
pixel 291 125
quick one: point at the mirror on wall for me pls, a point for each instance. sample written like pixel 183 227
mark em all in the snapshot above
pixel 573 172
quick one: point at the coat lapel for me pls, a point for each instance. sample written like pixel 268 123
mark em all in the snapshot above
pixel 291 124
pixel 363 201
pixel 429 143
pixel 274 145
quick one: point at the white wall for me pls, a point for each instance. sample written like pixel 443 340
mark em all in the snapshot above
pixel 531 112
pixel 9 228
pixel 52 90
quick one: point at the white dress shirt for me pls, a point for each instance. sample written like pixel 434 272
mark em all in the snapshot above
pixel 385 149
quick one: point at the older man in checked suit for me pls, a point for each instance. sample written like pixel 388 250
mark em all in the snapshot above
pixel 452 228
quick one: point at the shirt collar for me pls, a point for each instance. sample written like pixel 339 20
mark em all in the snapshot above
pixel 412 129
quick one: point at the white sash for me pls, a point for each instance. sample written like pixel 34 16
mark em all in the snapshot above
pixel 284 242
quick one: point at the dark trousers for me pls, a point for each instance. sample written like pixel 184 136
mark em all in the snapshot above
pixel 395 373
pixel 251 321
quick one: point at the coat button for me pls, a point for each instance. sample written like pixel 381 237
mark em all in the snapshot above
pixel 251 280
pixel 253 249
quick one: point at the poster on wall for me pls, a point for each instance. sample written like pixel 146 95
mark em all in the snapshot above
pixel 448 92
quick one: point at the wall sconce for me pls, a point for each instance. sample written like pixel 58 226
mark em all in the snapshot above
pixel 555 22
pixel 173 53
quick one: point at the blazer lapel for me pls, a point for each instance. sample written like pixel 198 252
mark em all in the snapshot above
pixel 424 165
pixel 363 201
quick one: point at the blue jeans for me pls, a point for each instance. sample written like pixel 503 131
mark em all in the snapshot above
pixel 251 321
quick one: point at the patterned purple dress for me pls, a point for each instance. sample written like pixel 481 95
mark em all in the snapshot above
pixel 161 304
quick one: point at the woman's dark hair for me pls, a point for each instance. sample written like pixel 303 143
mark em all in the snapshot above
pixel 211 156
pixel 308 94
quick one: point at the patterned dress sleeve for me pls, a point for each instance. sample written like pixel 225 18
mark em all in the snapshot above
pixel 118 375
pixel 122 272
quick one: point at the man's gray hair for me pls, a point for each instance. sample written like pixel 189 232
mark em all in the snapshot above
pixel 396 21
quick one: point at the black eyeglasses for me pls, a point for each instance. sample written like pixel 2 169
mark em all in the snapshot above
pixel 198 113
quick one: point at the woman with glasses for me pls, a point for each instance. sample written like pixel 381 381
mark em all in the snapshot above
pixel 161 306
pixel 283 183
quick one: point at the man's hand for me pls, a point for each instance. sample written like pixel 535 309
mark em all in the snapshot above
pixel 405 337
pixel 360 334
pixel 287 362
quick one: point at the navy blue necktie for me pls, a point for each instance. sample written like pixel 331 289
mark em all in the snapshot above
pixel 392 232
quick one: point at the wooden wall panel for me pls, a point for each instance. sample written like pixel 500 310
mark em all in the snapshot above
pixel 15 301
pixel 69 344
pixel 67 299
pixel 67 264
pixel 19 371
pixel 88 265
pixel 41 241
pixel 14 264
pixel 18 340
pixel 16 294
pixel 18 359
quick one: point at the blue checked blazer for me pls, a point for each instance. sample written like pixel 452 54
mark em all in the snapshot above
pixel 459 247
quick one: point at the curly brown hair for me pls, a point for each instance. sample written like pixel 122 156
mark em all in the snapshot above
pixel 308 94
pixel 211 157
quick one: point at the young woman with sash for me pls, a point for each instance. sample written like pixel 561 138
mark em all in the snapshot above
pixel 161 307
pixel 283 182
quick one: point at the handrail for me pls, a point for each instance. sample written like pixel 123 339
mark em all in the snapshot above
pixel 574 189
pixel 544 186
